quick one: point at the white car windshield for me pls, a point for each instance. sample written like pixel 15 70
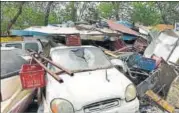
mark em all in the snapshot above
pixel 80 58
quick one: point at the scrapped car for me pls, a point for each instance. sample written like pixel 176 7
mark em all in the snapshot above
pixel 14 99
pixel 95 87
pixel 24 45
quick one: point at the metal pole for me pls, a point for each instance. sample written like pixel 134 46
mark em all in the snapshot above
pixel 51 62
pixel 48 71
pixel 58 66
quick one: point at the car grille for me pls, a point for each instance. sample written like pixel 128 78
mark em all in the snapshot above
pixel 101 106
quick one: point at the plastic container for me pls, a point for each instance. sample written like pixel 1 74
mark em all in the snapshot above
pixel 32 76
pixel 140 62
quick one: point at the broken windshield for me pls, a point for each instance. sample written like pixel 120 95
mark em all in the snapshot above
pixel 80 58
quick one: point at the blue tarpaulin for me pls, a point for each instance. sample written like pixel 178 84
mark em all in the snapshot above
pixel 27 33
pixel 128 37
pixel 126 23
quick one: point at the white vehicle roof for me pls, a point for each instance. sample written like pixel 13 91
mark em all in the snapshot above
pixel 8 48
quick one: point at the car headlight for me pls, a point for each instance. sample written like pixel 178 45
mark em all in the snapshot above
pixel 130 92
pixel 61 106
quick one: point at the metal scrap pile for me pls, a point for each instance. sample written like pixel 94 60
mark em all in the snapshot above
pixel 150 59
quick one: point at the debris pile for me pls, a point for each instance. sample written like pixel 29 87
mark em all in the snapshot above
pixel 150 58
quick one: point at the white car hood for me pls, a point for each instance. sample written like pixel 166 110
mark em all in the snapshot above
pixel 88 87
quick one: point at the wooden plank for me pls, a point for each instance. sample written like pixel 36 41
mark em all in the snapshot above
pixel 164 104
pixel 111 54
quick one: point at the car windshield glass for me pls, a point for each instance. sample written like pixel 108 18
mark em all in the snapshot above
pixel 33 46
pixel 10 62
pixel 80 58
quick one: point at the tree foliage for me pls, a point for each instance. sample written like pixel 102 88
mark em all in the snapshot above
pixel 43 13
pixel 145 13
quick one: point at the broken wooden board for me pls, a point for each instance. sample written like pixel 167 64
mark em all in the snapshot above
pixel 111 54
pixel 161 102
pixel 173 94
pixel 115 54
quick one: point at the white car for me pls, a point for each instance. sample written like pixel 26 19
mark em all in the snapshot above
pixel 14 99
pixel 96 86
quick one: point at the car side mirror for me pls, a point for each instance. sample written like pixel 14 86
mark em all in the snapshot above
pixel 119 64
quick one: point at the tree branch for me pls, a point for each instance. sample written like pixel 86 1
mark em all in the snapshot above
pixel 47 12
pixel 13 21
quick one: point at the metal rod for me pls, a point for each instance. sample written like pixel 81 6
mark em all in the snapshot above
pixel 139 73
pixel 48 71
pixel 58 66
pixel 51 62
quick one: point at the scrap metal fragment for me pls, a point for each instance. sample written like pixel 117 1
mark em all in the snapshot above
pixel 173 94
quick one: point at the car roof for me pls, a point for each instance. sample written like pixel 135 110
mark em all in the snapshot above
pixel 8 48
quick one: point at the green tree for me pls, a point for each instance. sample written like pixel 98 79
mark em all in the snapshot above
pixel 105 10
pixel 169 11
pixel 145 13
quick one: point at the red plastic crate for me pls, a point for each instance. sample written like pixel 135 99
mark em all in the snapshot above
pixel 32 76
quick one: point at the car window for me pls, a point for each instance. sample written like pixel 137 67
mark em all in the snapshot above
pixel 16 45
pixel 33 46
pixel 80 58
pixel 11 62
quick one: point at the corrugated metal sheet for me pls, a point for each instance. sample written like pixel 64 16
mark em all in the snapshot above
pixel 121 28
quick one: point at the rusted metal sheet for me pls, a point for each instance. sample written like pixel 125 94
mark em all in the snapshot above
pixel 161 78
pixel 120 46
pixel 140 44
pixel 121 28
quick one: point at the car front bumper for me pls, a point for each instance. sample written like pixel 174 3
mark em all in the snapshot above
pixel 125 107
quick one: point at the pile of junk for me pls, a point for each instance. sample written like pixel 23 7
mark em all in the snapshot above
pixel 148 58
